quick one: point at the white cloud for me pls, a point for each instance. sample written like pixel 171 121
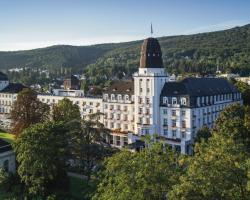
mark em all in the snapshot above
pixel 216 27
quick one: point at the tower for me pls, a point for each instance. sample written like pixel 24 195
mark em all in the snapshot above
pixel 148 83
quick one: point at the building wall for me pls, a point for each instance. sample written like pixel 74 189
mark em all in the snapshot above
pixel 6 102
pixel 8 158
pixel 87 105
pixel 179 124
pixel 148 83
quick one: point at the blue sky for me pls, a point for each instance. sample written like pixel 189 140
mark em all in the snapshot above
pixel 27 24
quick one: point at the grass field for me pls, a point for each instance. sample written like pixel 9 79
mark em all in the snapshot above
pixel 7 137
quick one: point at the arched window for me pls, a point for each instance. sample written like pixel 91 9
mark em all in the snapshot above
pixel 174 100
pixel 183 101
pixel 165 100
pixel 6 165
pixel 119 97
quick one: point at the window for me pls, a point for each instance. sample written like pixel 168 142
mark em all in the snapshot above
pixel 118 140
pixel 140 120
pixel 183 124
pixel 125 108
pixel 165 100
pixel 140 110
pixel 111 125
pixel 146 131
pixel 148 100
pixel 165 132
pixel 125 141
pixel 183 134
pixel 165 111
pixel 119 97
pixel 183 101
pixel 140 89
pixel 147 111
pixel 174 133
pixel 6 165
pixel 183 112
pixel 139 100
pixel 126 127
pixel 173 123
pixel 173 112
pixel 198 101
pixel 165 122
pixel 112 97
pixel 125 118
pixel 174 101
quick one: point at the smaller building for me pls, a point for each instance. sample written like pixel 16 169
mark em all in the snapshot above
pixel 7 157
pixel 8 93
pixel 71 83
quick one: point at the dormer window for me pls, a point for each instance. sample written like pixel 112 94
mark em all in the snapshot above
pixel 174 100
pixel 165 100
pixel 198 101
pixel 119 97
pixel 183 101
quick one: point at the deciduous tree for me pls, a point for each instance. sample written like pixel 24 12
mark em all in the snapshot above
pixel 65 111
pixel 149 174
pixel 27 110
pixel 40 151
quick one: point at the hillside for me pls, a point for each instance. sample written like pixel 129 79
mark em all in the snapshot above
pixel 199 53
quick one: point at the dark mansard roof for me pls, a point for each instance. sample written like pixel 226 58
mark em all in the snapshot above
pixel 198 87
pixel 3 77
pixel 151 56
pixel 4 146
pixel 121 87
pixel 13 88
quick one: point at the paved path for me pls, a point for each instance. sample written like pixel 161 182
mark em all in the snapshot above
pixel 80 176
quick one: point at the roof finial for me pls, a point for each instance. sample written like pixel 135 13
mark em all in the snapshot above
pixel 151 29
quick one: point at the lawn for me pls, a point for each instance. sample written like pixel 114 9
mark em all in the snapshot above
pixel 7 137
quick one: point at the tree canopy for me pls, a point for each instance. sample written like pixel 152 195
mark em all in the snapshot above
pixel 149 174
pixel 41 152
pixel 65 111
pixel 27 110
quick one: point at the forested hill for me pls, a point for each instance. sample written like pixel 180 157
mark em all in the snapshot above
pixel 228 49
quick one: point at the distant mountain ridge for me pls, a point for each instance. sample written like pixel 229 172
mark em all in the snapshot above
pixel 228 49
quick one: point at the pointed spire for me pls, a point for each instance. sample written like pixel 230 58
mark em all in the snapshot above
pixel 151 29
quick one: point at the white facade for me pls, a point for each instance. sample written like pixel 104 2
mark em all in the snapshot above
pixel 152 103
pixel 148 83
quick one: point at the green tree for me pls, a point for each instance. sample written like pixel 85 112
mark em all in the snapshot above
pixel 217 171
pixel 148 174
pixel 244 88
pixel 41 153
pixel 234 122
pixel 27 110
pixel 65 111
pixel 219 167
pixel 89 144
pixel 203 134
